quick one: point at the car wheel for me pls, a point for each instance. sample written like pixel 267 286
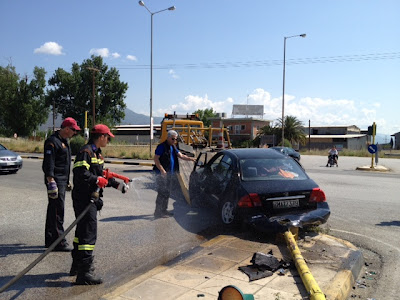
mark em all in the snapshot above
pixel 228 213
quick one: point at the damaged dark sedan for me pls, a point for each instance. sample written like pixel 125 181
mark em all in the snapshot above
pixel 259 187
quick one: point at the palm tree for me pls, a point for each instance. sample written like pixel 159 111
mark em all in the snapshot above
pixel 294 130
pixel 265 131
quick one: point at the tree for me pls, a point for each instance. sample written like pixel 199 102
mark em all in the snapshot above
pixel 72 93
pixel 205 114
pixel 293 130
pixel 267 130
pixel 22 103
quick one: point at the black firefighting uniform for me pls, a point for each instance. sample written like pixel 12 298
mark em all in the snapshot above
pixel 56 164
pixel 88 166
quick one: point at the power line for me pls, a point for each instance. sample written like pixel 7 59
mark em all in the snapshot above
pixel 269 63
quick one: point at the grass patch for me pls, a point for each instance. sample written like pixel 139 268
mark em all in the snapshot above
pixel 112 150
pixel 347 152
pixel 123 150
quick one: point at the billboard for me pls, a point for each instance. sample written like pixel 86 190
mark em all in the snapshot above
pixel 253 110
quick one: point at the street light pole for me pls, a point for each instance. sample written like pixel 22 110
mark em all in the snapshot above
pixel 141 3
pixel 283 86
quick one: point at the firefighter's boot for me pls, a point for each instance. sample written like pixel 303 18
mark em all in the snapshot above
pixel 85 274
pixel 74 269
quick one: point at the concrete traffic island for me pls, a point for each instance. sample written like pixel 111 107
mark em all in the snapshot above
pixel 203 272
pixel 376 168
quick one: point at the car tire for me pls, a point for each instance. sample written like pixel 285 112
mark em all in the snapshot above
pixel 228 214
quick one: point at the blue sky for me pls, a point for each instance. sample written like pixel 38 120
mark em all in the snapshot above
pixel 219 53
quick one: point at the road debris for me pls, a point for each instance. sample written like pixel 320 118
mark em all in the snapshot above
pixel 264 265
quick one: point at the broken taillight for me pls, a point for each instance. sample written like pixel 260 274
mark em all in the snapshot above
pixel 317 195
pixel 250 200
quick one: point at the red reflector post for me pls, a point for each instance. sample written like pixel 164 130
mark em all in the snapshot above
pixel 317 195
pixel 251 200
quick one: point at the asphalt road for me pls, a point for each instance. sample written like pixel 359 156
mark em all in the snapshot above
pixel 129 240
pixel 365 210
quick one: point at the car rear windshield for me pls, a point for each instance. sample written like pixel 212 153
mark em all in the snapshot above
pixel 270 169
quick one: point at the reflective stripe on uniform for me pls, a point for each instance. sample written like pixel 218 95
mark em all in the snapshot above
pixel 82 164
pixel 86 247
pixel 96 160
pixel 76 240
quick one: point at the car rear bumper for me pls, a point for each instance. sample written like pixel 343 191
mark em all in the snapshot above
pixel 283 222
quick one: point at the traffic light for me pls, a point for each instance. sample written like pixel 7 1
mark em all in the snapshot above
pixel 372 129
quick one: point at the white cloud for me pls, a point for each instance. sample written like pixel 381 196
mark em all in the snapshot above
pixel 320 111
pixel 103 52
pixel 173 74
pixel 131 57
pixel 193 103
pixel 115 55
pixel 51 48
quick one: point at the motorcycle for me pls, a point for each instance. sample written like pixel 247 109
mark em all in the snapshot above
pixel 331 161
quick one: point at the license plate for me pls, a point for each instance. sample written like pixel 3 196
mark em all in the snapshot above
pixel 286 203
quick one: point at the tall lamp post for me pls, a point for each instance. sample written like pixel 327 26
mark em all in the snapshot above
pixel 141 3
pixel 283 89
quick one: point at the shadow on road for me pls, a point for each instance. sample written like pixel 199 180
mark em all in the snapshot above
pixel 11 249
pixel 391 223
pixel 52 280
pixel 127 218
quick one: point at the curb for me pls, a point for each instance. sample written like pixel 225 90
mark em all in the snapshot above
pixel 106 161
pixel 339 288
pixel 342 283
pixel 129 163
pixel 376 168
pixel 31 157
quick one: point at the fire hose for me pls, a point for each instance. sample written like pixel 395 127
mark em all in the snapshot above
pixel 106 174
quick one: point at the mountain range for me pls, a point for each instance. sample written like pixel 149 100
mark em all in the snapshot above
pixel 131 118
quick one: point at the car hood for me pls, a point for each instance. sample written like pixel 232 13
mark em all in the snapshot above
pixel 8 153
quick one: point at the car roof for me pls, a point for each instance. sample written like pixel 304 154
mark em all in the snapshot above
pixel 255 153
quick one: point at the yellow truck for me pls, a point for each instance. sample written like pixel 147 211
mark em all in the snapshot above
pixel 192 135
pixel 191 132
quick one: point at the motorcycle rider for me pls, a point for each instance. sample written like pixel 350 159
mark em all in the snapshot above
pixel 333 151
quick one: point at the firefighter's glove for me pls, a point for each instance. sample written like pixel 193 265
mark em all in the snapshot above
pixel 101 182
pixel 99 203
pixel 52 190
pixel 123 187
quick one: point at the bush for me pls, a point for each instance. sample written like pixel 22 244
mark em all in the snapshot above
pixel 76 144
pixel 287 143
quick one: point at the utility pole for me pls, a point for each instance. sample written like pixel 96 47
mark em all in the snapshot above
pixel 94 100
